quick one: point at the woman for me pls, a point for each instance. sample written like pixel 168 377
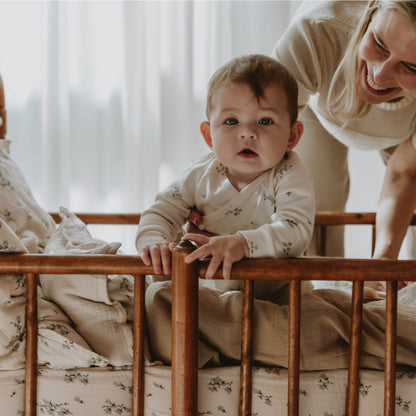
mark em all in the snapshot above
pixel 355 63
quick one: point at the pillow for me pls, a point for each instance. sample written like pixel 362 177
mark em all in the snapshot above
pixel 98 317
pixel 21 216
pixel 24 227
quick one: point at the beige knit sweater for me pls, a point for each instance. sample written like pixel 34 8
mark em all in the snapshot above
pixel 312 48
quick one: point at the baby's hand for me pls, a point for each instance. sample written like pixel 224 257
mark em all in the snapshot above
pixel 226 249
pixel 159 255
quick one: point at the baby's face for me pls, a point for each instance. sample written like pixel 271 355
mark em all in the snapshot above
pixel 250 136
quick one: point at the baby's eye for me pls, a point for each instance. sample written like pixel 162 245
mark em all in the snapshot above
pixel 265 121
pixel 231 121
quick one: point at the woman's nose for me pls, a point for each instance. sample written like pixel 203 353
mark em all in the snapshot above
pixel 383 72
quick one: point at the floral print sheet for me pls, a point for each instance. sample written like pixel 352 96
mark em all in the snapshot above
pixel 90 391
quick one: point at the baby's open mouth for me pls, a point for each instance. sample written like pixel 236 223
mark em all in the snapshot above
pixel 248 152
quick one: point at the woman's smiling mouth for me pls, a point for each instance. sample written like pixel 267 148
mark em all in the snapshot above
pixel 375 88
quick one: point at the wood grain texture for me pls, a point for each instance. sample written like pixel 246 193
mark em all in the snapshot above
pixel 73 264
pixel 390 349
pixel 138 346
pixel 103 218
pixel 246 349
pixel 353 386
pixel 184 333
pixel 331 268
pixel 294 348
pixel 31 349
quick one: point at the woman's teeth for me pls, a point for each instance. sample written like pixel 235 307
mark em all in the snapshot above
pixel 373 85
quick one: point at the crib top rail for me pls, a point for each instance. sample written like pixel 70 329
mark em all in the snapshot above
pixel 73 264
pixel 267 269
pixel 324 218
pixel 104 218
pixel 323 268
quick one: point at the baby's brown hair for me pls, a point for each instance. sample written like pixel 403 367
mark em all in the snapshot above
pixel 256 71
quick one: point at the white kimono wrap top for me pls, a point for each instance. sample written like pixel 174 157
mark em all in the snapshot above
pixel 274 213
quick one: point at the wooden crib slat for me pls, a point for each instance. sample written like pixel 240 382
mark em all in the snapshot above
pixel 31 353
pixel 246 349
pixel 138 346
pixel 353 386
pixel 294 348
pixel 373 239
pixel 184 333
pixel 390 349
pixel 321 240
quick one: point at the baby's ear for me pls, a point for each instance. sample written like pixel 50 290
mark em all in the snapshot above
pixel 205 128
pixel 296 132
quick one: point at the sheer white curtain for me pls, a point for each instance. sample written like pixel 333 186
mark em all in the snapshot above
pixel 105 98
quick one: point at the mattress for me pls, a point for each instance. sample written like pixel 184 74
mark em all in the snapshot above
pixel 98 391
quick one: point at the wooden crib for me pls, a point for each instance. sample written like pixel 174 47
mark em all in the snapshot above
pixel 184 373
pixel 185 312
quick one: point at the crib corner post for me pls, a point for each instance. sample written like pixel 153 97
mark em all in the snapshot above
pixel 184 333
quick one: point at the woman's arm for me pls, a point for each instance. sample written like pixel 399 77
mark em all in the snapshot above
pixel 397 201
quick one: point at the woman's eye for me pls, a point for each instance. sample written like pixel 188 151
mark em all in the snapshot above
pixel 411 69
pixel 265 121
pixel 379 46
pixel 231 121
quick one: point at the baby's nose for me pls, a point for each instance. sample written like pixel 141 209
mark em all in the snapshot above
pixel 248 133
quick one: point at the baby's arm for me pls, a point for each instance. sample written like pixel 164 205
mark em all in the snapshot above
pixel 160 225
pixel 226 249
pixel 158 230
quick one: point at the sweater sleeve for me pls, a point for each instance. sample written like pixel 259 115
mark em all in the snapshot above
pixel 290 231
pixel 313 46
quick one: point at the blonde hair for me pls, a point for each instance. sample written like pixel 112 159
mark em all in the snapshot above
pixel 343 101
pixel 256 71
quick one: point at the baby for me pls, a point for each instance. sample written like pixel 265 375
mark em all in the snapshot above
pixel 254 193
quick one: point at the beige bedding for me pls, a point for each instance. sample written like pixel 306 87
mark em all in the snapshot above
pixel 325 327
